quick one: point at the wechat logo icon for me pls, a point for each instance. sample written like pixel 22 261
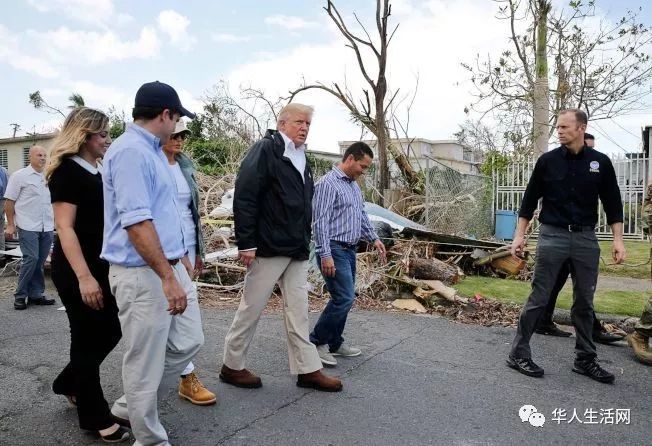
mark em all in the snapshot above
pixel 530 414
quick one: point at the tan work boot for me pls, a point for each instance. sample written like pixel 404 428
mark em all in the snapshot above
pixel 638 342
pixel 318 381
pixel 191 389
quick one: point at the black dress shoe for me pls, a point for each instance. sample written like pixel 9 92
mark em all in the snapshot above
pixel 121 421
pixel 604 337
pixel 592 369
pixel 525 366
pixel 19 303
pixel 552 330
pixel 41 301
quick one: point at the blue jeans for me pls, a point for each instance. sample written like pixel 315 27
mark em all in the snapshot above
pixel 330 326
pixel 35 247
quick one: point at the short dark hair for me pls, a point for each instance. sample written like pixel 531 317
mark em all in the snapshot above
pixel 588 136
pixel 358 150
pixel 149 113
pixel 580 115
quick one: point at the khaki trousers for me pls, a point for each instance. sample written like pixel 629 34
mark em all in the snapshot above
pixel 157 345
pixel 262 275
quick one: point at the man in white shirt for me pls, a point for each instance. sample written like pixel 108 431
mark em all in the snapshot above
pixel 29 213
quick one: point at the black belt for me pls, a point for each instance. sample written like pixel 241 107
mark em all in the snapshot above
pixel 579 228
pixel 344 244
pixel 173 262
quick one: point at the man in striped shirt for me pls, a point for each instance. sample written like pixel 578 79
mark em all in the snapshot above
pixel 339 223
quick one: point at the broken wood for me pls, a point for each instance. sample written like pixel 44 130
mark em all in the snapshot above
pixel 432 269
pixel 509 265
pixel 491 257
pixel 409 304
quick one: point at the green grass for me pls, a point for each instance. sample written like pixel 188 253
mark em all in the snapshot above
pixel 638 252
pixel 629 303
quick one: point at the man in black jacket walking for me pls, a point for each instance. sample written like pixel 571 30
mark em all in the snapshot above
pixel 273 217
pixel 570 180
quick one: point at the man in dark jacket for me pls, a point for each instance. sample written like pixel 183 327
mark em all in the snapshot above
pixel 273 216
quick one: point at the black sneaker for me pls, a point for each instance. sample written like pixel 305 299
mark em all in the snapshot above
pixel 41 301
pixel 525 366
pixel 19 303
pixel 592 369
pixel 122 434
pixel 552 330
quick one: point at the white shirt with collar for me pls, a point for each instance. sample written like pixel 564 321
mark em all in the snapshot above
pixel 86 165
pixel 31 195
pixel 297 155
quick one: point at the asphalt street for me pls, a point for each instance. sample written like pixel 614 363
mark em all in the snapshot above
pixel 421 381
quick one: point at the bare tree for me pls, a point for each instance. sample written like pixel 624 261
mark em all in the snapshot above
pixel 371 109
pixel 604 70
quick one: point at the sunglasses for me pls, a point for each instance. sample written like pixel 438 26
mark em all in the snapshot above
pixel 179 136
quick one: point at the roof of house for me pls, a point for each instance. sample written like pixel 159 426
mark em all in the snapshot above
pixel 33 137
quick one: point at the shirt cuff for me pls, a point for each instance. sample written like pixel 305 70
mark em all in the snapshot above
pixel 249 249
pixel 134 217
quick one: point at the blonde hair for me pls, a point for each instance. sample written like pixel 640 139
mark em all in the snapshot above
pixel 78 126
pixel 293 108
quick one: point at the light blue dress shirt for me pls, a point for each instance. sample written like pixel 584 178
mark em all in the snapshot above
pixel 138 186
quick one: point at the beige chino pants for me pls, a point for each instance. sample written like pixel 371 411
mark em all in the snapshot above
pixel 262 275
pixel 157 345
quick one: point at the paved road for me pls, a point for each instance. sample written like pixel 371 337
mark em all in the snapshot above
pixel 421 381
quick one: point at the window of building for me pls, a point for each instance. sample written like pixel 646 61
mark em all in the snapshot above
pixel 3 158
pixel 25 156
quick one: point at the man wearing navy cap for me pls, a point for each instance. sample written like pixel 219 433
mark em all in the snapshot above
pixel 150 271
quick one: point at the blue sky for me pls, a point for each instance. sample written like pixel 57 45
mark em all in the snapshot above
pixel 104 49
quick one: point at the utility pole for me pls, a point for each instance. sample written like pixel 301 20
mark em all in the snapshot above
pixel 15 127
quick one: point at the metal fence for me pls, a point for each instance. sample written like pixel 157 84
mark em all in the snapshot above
pixel 457 203
pixel 632 172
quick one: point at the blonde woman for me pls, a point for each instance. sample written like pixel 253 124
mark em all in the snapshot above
pixel 80 276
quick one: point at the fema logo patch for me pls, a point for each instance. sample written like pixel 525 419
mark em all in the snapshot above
pixel 594 167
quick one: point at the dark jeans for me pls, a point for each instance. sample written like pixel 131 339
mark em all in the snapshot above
pixel 35 247
pixel 546 319
pixel 330 326
pixel 555 247
pixel 93 334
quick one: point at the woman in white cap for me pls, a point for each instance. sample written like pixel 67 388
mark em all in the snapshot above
pixel 183 170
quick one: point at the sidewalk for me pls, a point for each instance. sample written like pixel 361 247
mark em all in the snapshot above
pixel 420 381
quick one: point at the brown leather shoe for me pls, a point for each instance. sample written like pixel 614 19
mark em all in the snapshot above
pixel 240 378
pixel 318 381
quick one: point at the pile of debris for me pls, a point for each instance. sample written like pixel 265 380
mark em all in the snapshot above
pixel 422 268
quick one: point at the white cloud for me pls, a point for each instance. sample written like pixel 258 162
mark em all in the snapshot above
pixel 229 38
pixel 12 54
pixel 292 23
pixel 175 26
pixel 93 47
pixel 87 11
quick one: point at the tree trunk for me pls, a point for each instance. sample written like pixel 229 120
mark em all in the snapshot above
pixel 432 269
pixel 540 127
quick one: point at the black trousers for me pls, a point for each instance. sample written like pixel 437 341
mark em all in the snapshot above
pixel 557 246
pixel 93 334
pixel 546 319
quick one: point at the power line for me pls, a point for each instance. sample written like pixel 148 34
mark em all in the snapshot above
pixel 603 133
pixel 633 134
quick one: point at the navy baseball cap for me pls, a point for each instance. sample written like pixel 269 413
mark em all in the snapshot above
pixel 158 94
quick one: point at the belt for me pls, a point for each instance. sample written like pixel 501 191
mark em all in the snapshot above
pixel 580 228
pixel 173 262
pixel 344 244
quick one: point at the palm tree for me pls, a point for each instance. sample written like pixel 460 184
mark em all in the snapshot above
pixel 76 101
